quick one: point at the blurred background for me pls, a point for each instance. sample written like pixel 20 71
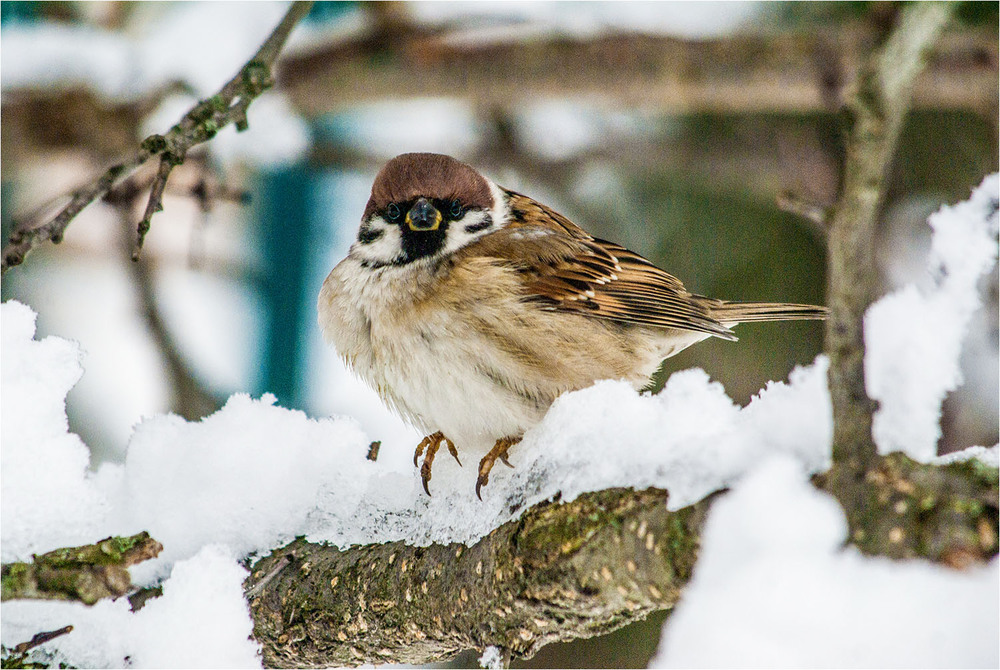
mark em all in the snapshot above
pixel 703 135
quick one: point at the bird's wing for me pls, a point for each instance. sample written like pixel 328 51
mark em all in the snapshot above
pixel 564 268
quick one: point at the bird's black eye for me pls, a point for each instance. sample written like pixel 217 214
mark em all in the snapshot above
pixel 456 209
pixel 392 211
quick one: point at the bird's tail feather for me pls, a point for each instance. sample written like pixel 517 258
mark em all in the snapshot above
pixel 730 313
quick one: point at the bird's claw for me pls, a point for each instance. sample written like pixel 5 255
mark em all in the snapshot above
pixel 431 444
pixel 499 451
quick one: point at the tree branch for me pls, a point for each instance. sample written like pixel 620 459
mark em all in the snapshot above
pixel 561 571
pixel 894 505
pixel 565 571
pixel 190 397
pixel 86 573
pixel 17 658
pixel 38 639
pixel 200 124
pixel 878 106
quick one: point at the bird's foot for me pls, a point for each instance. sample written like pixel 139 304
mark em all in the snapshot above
pixel 499 451
pixel 431 444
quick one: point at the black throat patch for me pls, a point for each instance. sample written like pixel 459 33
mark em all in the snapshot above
pixel 419 244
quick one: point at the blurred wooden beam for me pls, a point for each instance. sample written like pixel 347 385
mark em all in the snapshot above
pixel 783 72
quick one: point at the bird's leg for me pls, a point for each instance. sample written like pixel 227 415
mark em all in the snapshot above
pixel 431 444
pixel 499 450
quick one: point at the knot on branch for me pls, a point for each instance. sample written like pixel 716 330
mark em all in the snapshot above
pixel 257 78
pixel 154 144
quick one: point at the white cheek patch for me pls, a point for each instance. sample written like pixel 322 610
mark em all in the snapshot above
pixel 500 211
pixel 378 242
pixel 477 223
pixel 471 226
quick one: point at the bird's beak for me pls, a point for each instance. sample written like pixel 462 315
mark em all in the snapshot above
pixel 423 216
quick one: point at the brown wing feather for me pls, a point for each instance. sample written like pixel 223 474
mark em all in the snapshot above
pixel 567 269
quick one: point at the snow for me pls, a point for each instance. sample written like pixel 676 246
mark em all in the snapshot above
pixel 774 573
pixel 46 498
pixel 599 437
pixel 492 658
pixel 914 336
pixel 247 476
pixel 585 19
pixel 987 455
pixel 774 585
pixel 200 621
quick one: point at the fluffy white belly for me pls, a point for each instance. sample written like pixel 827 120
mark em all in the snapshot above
pixel 439 385
pixel 433 368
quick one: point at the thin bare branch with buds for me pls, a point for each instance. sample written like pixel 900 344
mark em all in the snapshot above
pixel 200 124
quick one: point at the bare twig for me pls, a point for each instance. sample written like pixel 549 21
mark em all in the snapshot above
pixel 272 572
pixel 201 123
pixel 155 204
pixel 19 653
pixel 812 212
pixel 23 240
pixel 41 638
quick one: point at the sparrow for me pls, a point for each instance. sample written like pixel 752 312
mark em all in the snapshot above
pixel 470 308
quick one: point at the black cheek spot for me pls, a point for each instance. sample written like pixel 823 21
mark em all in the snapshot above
pixel 476 227
pixel 369 235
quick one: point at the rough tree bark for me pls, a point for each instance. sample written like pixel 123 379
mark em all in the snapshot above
pixel 86 573
pixel 560 572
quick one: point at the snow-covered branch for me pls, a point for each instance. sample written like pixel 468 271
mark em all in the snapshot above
pixel 561 571
pixel 201 123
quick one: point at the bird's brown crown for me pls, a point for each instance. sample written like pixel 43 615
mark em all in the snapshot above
pixel 433 176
